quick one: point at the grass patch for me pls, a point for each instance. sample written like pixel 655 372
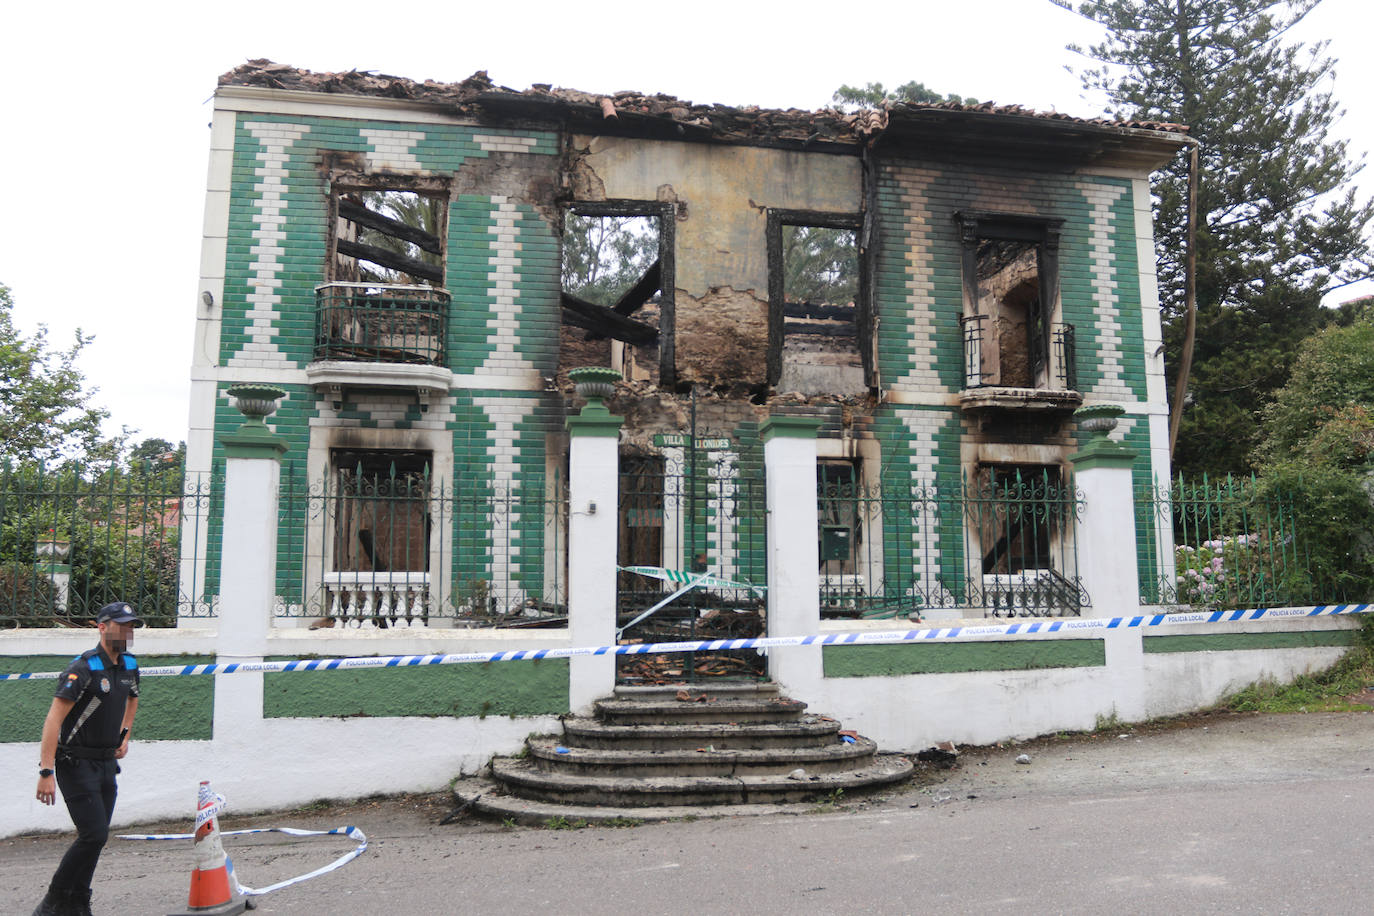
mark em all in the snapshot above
pixel 829 802
pixel 1325 691
pixel 1110 723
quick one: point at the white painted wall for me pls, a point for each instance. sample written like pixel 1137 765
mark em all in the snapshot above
pixel 259 763
pixel 267 763
pixel 913 712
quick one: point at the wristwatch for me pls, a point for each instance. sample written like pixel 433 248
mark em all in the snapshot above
pixel 44 772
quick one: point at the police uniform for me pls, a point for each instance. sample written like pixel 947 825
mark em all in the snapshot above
pixel 85 767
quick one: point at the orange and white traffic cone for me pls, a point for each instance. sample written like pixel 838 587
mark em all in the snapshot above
pixel 212 892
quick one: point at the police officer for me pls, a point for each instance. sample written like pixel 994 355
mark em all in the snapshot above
pixel 86 731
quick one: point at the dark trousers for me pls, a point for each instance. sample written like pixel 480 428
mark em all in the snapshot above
pixel 88 788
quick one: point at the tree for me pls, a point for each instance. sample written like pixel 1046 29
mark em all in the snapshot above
pixel 46 410
pixel 1279 222
pixel 873 95
pixel 411 209
pixel 603 256
pixel 821 265
pixel 1317 444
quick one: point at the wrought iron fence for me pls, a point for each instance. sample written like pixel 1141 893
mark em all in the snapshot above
pixel 400 547
pixel 1218 545
pixel 75 539
pixel 697 510
pixel 1002 544
pixel 381 323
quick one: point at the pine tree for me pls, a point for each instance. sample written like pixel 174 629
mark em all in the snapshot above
pixel 1279 221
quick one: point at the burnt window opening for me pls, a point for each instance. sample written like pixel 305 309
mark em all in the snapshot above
pixel 381 510
pixel 617 279
pixel 1013 334
pixel 838 498
pixel 818 340
pixel 641 540
pixel 389 236
pixel 1019 512
pixel 384 300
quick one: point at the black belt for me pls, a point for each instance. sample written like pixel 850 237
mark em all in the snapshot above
pixel 87 753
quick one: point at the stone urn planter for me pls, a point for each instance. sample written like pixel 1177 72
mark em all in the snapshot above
pixel 594 383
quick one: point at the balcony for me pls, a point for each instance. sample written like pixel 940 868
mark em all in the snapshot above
pixel 1009 369
pixel 378 335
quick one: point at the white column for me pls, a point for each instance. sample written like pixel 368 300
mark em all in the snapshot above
pixel 789 457
pixel 593 484
pixel 247 574
pixel 1106 530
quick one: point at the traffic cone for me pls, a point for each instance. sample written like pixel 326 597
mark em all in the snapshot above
pixel 211 889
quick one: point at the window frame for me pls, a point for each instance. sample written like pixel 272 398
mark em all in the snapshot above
pixel 666 212
pixel 777 297
pixel 1044 232
pixel 351 499
pixel 342 182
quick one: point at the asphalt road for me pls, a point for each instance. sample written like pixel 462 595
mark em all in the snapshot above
pixel 1268 814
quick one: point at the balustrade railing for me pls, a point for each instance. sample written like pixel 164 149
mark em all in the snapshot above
pixel 374 322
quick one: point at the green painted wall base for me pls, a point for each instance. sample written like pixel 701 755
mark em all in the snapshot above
pixel 169 708
pixel 1222 642
pixel 523 688
pixel 877 661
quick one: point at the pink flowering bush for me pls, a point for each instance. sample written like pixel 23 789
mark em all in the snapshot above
pixel 1220 573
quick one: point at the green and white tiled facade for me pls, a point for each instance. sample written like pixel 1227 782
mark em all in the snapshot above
pixel 267 211
pixel 1107 291
pixel 267 247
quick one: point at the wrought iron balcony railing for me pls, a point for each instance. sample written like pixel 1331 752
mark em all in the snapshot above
pixel 380 323
pixel 980 372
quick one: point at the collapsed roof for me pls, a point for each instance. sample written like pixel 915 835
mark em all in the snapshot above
pixel 667 116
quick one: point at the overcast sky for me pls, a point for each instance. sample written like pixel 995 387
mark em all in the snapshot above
pixel 106 109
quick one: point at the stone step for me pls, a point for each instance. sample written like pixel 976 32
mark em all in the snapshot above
pixel 523 777
pixel 551 755
pixel 725 710
pixel 807 731
pixel 717 689
pixel 484 798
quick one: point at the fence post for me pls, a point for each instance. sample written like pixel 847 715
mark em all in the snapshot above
pixel 248 554
pixel 789 458
pixel 1107 564
pixel 593 486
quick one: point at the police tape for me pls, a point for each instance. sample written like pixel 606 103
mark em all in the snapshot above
pixel 1034 627
pixel 352 833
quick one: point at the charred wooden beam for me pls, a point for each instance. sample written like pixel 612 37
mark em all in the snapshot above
pixel 642 291
pixel 596 327
pixel 357 213
pixel 386 258
pixel 818 311
pixel 633 298
pixel 820 329
pixel 602 320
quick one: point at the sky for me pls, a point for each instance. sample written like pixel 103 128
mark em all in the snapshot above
pixel 107 106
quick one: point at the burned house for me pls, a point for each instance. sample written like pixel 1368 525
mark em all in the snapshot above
pixel 419 264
